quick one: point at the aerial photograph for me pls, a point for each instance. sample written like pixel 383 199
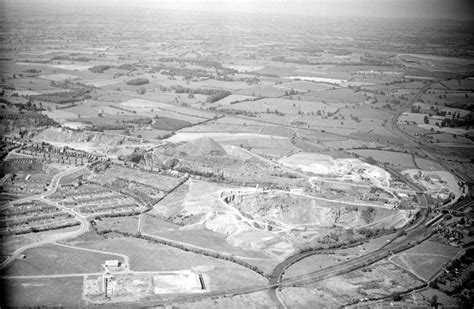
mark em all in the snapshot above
pixel 237 154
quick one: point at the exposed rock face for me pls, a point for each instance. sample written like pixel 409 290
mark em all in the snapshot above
pixel 294 209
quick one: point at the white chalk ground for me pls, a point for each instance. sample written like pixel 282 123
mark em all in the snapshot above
pixel 217 136
pixel 74 125
pixel 353 169
pixel 72 67
pixel 141 103
pixel 237 152
pixel 319 79
pixel 244 68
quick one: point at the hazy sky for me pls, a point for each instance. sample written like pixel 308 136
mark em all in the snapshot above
pixel 446 9
pixel 449 9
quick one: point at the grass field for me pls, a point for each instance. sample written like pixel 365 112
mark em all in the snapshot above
pixel 51 292
pixel 145 256
pixel 342 95
pixel 283 106
pixel 262 91
pixel 313 263
pixel 198 237
pixel 123 224
pixel 425 259
pixel 233 98
pixel 53 259
pixel 11 243
pixel 400 159
pixel 305 86
pixel 428 165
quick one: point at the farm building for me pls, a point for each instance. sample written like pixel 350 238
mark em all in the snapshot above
pixel 111 263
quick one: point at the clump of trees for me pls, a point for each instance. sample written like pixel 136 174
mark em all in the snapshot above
pixel 138 81
pixel 217 96
pixel 99 68
pixel 169 124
